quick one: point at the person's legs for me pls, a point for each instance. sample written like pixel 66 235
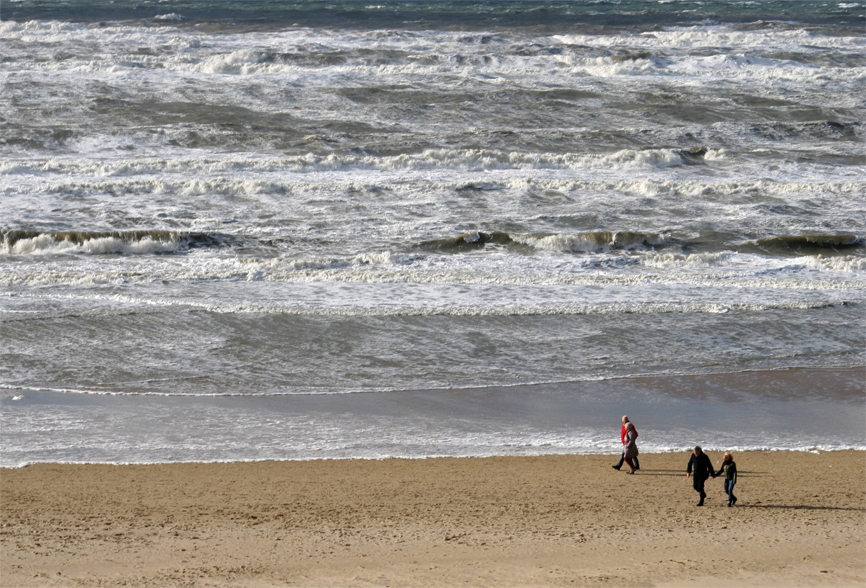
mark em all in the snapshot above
pixel 621 459
pixel 636 463
pixel 729 488
pixel 630 463
pixel 699 488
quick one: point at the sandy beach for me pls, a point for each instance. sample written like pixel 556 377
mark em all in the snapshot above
pixel 505 521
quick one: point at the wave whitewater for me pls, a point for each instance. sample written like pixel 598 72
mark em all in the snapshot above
pixel 609 241
pixel 810 244
pixel 154 306
pixel 23 242
pixel 591 242
pixel 144 242
pixel 460 159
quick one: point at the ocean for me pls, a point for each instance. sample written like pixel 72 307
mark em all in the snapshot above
pixel 238 230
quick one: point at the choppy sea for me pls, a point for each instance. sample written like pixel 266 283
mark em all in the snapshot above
pixel 262 229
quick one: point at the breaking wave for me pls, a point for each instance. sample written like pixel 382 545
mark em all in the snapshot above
pixel 591 242
pixel 21 242
pixel 428 159
pixel 810 244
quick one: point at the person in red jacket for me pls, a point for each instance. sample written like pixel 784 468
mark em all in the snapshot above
pixel 622 439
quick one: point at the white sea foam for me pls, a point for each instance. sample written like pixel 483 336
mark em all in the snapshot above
pixel 845 263
pixel 255 54
pixel 592 242
pixel 356 289
pixel 715 36
pixel 46 244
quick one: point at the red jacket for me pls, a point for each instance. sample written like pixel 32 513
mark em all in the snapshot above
pixel 622 433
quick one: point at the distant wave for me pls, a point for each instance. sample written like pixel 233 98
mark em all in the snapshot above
pixel 459 159
pixel 607 241
pixel 374 308
pixel 592 242
pixel 810 244
pixel 154 242
pixel 23 242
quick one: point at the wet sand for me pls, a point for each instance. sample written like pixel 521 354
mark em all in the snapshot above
pixel 504 521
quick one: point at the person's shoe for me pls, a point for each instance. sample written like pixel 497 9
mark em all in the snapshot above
pixel 735 500
pixel 701 503
pixel 616 467
pixel 637 468
pixel 632 470
pixel 730 504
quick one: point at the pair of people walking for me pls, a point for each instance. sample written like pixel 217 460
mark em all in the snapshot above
pixel 702 467
pixel 628 436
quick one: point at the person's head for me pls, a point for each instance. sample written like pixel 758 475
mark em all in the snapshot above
pixel 629 426
pixel 624 419
pixel 698 450
pixel 728 456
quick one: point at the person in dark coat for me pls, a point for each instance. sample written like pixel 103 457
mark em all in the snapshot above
pixel 702 468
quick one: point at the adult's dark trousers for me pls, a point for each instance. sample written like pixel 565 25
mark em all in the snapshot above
pixel 699 486
pixel 622 459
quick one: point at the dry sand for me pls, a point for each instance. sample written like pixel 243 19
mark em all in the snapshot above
pixel 511 521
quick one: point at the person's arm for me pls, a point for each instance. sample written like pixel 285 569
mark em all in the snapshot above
pixel 710 466
pixel 734 470
pixel 689 467
pixel 721 469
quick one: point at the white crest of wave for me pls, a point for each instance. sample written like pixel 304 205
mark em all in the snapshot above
pixel 845 263
pixel 483 159
pixel 682 261
pixel 34 27
pixel 713 36
pixel 243 61
pixel 589 242
pixel 429 159
pixel 46 244
pixel 609 66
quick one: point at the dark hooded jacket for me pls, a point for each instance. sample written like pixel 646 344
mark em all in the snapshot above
pixel 701 466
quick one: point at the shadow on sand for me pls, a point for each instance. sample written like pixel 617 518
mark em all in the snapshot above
pixel 682 473
pixel 800 507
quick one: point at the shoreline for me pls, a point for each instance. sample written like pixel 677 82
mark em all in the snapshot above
pixel 803 410
pixel 553 520
pixel 815 451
